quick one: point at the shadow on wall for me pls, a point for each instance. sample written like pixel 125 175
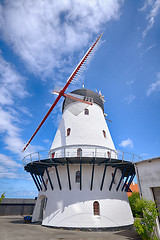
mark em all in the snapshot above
pixel 85 196
pixel 62 132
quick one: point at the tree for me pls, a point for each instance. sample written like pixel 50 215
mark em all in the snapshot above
pixel 2 196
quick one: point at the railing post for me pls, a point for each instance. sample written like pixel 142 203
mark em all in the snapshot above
pixel 24 161
pixel 64 153
pixel 95 152
pixel 123 157
pixel 38 157
pixel 31 158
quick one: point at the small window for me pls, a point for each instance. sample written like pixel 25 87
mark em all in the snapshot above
pixel 96 208
pixel 53 154
pixel 78 176
pixel 68 131
pixel 109 154
pixel 86 111
pixel 79 152
pixel 104 134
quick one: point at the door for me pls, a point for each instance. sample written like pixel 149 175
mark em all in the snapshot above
pixel 156 194
pixel 42 208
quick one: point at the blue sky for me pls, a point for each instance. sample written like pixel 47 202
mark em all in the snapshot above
pixel 41 42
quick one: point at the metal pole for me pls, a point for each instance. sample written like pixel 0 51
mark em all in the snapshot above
pixel 104 173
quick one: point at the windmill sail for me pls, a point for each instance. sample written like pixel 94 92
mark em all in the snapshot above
pixel 70 79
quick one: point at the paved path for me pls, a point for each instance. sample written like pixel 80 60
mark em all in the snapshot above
pixel 13 228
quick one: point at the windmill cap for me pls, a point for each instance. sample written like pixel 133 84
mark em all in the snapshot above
pixel 86 93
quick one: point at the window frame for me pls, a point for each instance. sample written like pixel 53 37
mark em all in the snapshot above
pixel 86 111
pixel 96 208
pixel 104 133
pixel 77 180
pixel 68 131
pixel 79 152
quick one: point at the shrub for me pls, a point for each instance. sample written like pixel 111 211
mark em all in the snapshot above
pixel 146 214
pixel 135 204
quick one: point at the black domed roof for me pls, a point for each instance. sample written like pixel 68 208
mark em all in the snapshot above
pixel 86 93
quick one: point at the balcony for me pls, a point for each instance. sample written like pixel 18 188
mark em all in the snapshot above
pixel 80 152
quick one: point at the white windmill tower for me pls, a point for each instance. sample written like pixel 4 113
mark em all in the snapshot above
pixel 82 183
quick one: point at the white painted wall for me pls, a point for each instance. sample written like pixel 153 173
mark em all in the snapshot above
pixel 149 176
pixel 85 129
pixel 74 208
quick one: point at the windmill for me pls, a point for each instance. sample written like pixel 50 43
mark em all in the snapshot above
pixel 83 180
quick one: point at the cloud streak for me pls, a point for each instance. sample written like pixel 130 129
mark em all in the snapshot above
pixel 11 83
pixel 154 87
pixel 12 88
pixel 8 167
pixel 154 11
pixel 129 98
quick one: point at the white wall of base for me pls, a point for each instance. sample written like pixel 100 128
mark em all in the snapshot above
pixel 75 209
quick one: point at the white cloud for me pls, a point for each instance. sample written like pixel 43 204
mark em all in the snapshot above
pixel 48 141
pixel 150 47
pixel 8 162
pixel 154 87
pixel 12 88
pixel 129 98
pixel 5 174
pixel 150 25
pixel 24 110
pixel 10 131
pixel 48 105
pixel 11 83
pixel 130 82
pixel 43 32
pixel 126 143
pixel 144 154
pixel 154 7
pixel 8 167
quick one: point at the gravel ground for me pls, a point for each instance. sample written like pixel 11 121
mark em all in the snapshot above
pixel 13 228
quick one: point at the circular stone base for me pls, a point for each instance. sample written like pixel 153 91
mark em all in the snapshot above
pixel 99 229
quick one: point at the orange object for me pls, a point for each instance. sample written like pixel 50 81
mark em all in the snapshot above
pixel 133 188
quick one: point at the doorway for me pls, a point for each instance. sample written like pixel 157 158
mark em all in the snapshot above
pixel 42 208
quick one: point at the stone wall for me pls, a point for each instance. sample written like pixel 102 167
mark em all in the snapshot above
pixel 14 206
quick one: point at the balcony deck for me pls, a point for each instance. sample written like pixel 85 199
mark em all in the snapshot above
pixel 37 163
